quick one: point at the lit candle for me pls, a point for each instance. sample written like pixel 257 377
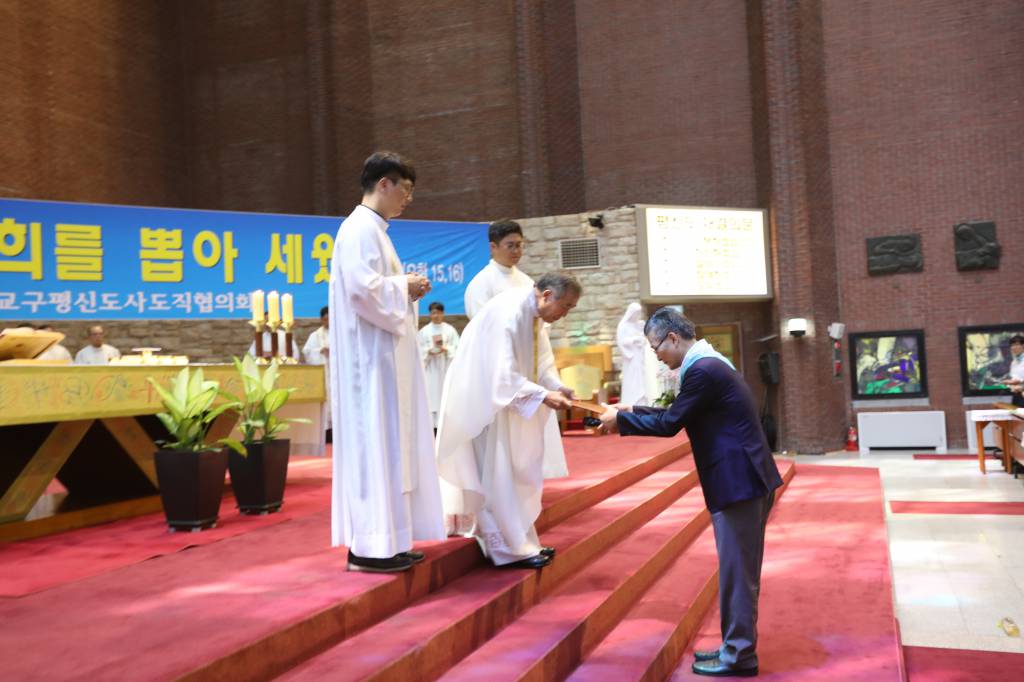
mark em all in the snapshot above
pixel 257 306
pixel 273 312
pixel 287 312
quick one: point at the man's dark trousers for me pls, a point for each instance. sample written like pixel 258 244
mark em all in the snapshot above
pixel 739 539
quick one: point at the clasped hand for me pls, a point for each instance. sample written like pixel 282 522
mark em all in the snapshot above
pixel 419 286
pixel 559 400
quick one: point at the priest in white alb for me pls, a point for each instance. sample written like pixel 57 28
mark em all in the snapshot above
pixel 500 274
pixel 438 341
pixel 317 351
pixel 506 241
pixel 500 389
pixel 96 352
pixel 386 492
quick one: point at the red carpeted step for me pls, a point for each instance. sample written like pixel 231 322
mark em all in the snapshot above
pixel 826 607
pixel 650 639
pixel 252 605
pixel 550 639
pixel 430 636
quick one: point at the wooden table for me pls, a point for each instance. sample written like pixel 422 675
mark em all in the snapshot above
pixel 92 428
pixel 1000 416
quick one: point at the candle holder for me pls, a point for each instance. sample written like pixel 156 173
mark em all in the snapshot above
pixel 257 338
pixel 288 358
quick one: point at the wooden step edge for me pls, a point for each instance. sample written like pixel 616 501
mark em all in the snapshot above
pixel 563 657
pixel 279 651
pixel 587 497
pixel 432 658
pixel 676 644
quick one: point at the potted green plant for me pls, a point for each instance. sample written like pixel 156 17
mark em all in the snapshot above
pixel 190 471
pixel 259 469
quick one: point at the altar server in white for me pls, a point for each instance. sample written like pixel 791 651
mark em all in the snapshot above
pixel 97 352
pixel 499 391
pixel 506 243
pixel 438 341
pixel 639 363
pixel 317 351
pixel 385 490
pixel 501 274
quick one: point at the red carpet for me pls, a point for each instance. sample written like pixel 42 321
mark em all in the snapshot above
pixel 996 508
pixel 927 664
pixel 954 457
pixel 41 563
pixel 826 608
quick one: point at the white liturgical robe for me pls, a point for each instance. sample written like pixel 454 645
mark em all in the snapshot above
pixel 311 353
pixel 386 491
pixel 55 352
pixel 437 348
pixel 491 281
pixel 488 283
pixel 490 440
pixel 91 355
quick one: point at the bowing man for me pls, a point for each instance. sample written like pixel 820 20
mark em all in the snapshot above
pixel 736 470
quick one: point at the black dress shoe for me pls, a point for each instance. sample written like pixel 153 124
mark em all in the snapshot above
pixel 715 668
pixel 706 655
pixel 395 564
pixel 548 552
pixel 412 555
pixel 535 561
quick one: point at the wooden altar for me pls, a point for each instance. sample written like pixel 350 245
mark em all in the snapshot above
pixel 92 429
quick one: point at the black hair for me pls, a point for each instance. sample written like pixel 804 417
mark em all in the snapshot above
pixel 324 311
pixel 500 229
pixel 1017 338
pixel 436 305
pixel 385 165
pixel 665 320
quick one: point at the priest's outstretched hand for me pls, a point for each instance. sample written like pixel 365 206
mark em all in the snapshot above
pixel 557 400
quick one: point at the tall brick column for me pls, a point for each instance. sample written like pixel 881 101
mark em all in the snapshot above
pixel 794 180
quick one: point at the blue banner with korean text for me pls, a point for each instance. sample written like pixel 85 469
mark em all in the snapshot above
pixel 97 261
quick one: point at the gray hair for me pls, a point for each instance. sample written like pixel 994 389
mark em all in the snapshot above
pixel 665 320
pixel 559 283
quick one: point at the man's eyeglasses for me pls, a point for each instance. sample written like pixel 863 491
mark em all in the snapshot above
pixel 660 343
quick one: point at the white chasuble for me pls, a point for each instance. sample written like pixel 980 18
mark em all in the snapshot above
pixel 488 283
pixel 490 440
pixel 437 348
pixel 385 486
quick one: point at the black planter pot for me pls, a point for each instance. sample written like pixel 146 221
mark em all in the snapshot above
pixel 191 487
pixel 258 479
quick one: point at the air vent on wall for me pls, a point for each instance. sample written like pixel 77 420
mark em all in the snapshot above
pixel 580 253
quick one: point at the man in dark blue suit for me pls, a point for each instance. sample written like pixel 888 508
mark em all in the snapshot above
pixel 736 471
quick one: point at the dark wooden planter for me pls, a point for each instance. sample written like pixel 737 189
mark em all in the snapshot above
pixel 258 479
pixel 191 487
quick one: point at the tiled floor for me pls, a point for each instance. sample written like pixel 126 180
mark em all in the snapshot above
pixel 955 577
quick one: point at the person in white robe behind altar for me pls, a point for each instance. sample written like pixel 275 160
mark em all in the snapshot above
pixel 506 241
pixel 96 352
pixel 500 389
pixel 639 363
pixel 438 341
pixel 385 490
pixel 317 351
pixel 281 345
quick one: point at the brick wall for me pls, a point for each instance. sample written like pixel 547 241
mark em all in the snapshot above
pixel 927 130
pixel 91 107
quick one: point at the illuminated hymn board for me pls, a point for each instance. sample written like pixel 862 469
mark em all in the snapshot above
pixel 703 254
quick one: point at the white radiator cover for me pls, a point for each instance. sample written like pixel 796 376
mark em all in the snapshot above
pixel 926 429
